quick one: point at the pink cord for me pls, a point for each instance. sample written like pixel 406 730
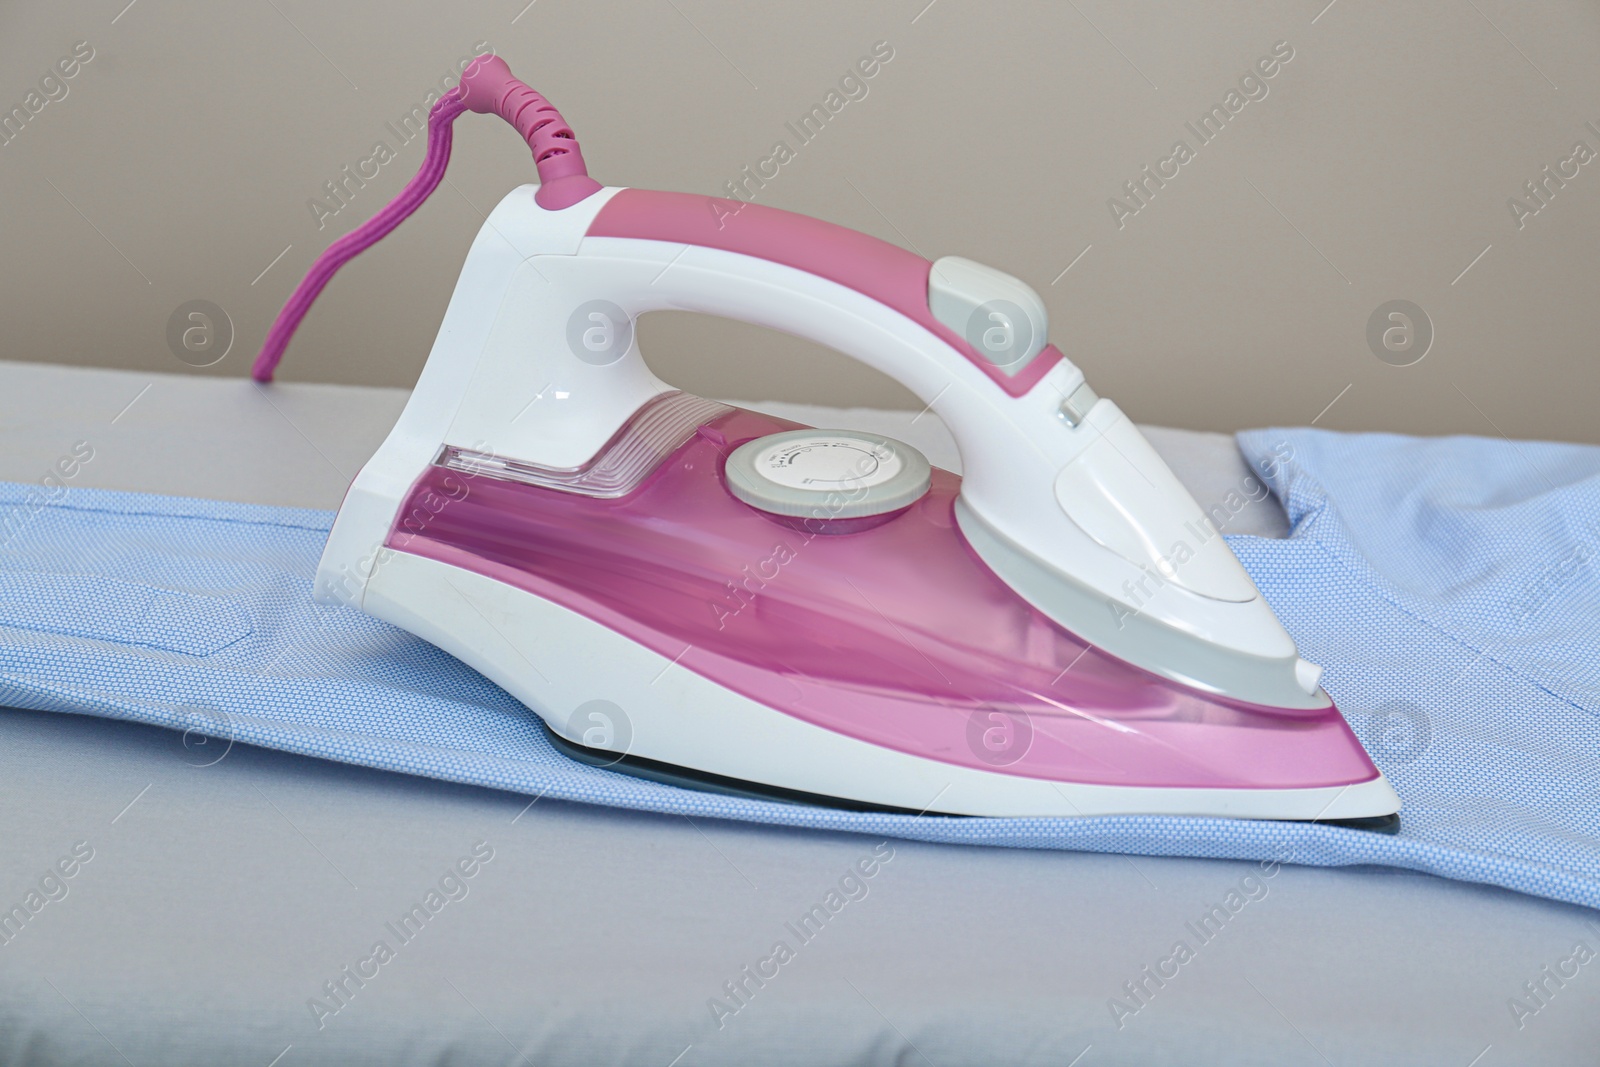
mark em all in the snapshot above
pixel 363 237
pixel 486 86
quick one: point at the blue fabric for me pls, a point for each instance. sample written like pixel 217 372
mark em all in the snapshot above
pixel 1447 586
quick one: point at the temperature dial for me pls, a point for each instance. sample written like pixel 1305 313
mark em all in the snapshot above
pixel 827 474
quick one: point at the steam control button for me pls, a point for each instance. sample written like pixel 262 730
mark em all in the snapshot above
pixel 999 316
pixel 1075 408
pixel 827 474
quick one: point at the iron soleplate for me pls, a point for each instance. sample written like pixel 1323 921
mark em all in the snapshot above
pixel 687 778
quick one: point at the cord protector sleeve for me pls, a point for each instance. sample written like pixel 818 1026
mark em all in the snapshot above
pixel 487 85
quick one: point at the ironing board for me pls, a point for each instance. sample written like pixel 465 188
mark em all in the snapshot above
pixel 224 885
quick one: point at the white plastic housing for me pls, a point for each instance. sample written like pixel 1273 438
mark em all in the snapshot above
pixel 1076 518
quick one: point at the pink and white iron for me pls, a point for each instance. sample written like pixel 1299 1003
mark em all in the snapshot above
pixel 815 615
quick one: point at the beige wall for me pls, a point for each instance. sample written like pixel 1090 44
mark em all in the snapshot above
pixel 1377 166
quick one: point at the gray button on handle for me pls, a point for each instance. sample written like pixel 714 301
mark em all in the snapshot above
pixel 999 316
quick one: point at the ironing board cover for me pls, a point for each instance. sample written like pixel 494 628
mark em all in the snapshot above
pixel 1447 586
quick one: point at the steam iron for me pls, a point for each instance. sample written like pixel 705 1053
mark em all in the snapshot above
pixel 711 596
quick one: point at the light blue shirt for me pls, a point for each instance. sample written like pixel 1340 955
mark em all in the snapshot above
pixel 1447 586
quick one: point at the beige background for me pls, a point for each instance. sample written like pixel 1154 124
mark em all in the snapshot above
pixel 1378 167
